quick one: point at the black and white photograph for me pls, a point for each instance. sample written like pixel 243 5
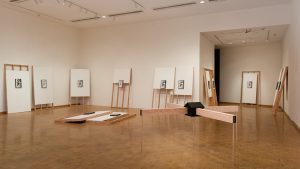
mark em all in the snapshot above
pixel 180 84
pixel 80 83
pixel 18 83
pixel 163 84
pixel 249 84
pixel 44 84
pixel 120 84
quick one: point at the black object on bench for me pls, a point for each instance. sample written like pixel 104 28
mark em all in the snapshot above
pixel 89 113
pixel 192 106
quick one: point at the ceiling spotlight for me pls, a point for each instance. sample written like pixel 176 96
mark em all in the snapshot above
pixel 243 41
pixel 104 17
pixel 202 2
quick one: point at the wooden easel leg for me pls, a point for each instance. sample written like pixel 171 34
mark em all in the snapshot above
pixel 117 105
pixel 166 99
pixel 159 98
pixel 112 96
pixel 128 97
pixel 123 89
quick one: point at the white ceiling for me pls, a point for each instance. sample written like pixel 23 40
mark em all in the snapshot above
pixel 62 11
pixel 247 36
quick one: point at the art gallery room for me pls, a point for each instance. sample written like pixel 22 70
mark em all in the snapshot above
pixel 149 84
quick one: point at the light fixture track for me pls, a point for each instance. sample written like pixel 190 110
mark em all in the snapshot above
pixel 174 6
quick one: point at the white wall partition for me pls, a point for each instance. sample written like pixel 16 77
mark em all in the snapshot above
pixel 122 74
pixel 184 81
pixel 80 83
pixel 249 87
pixel 164 74
pixel 43 85
pixel 18 91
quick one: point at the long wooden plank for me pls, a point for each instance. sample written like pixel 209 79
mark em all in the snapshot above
pixel 171 105
pixel 224 109
pixel 279 88
pixel 225 117
pixel 81 117
pixel 182 110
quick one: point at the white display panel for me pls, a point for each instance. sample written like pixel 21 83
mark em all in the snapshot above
pixel 249 87
pixel 43 85
pixel 184 81
pixel 18 91
pixel 164 74
pixel 106 117
pixel 122 74
pixel 80 83
pixel 208 84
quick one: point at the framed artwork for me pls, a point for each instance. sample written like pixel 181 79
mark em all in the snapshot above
pixel 249 84
pixel 44 83
pixel 80 83
pixel 163 84
pixel 120 84
pixel 180 84
pixel 18 83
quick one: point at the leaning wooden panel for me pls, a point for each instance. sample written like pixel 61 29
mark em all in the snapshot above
pixel 225 117
pixel 224 109
pixel 81 117
pixel 279 88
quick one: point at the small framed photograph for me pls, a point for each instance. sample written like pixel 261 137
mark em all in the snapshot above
pixel 163 84
pixel 249 84
pixel 80 83
pixel 18 83
pixel 120 84
pixel 44 83
pixel 180 84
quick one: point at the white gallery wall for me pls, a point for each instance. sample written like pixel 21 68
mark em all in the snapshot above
pixel 207 61
pixel 265 58
pixel 31 40
pixel 291 58
pixel 164 43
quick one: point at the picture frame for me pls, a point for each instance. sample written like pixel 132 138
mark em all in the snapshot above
pixel 120 84
pixel 44 84
pixel 18 83
pixel 249 84
pixel 163 84
pixel 180 84
pixel 80 83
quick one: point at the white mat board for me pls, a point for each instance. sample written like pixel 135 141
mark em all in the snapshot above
pixel 122 74
pixel 184 81
pixel 86 116
pixel 80 83
pixel 106 117
pixel 167 74
pixel 18 97
pixel 249 87
pixel 43 85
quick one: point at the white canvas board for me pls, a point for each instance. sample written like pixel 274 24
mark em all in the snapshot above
pixel 164 74
pixel 208 84
pixel 122 75
pixel 80 83
pixel 18 95
pixel 249 87
pixel 184 81
pixel 106 117
pixel 86 116
pixel 43 85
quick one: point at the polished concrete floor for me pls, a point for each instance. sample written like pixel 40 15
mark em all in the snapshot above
pixel 158 141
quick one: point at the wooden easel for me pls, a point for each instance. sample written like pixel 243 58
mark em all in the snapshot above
pixel 158 93
pixel 121 89
pixel 13 67
pixel 209 84
pixel 49 105
pixel 176 98
pixel 279 88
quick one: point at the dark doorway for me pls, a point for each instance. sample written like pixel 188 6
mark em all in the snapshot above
pixel 217 72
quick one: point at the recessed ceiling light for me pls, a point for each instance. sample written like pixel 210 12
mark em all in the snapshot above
pixel 202 2
pixel 243 41
pixel 104 16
